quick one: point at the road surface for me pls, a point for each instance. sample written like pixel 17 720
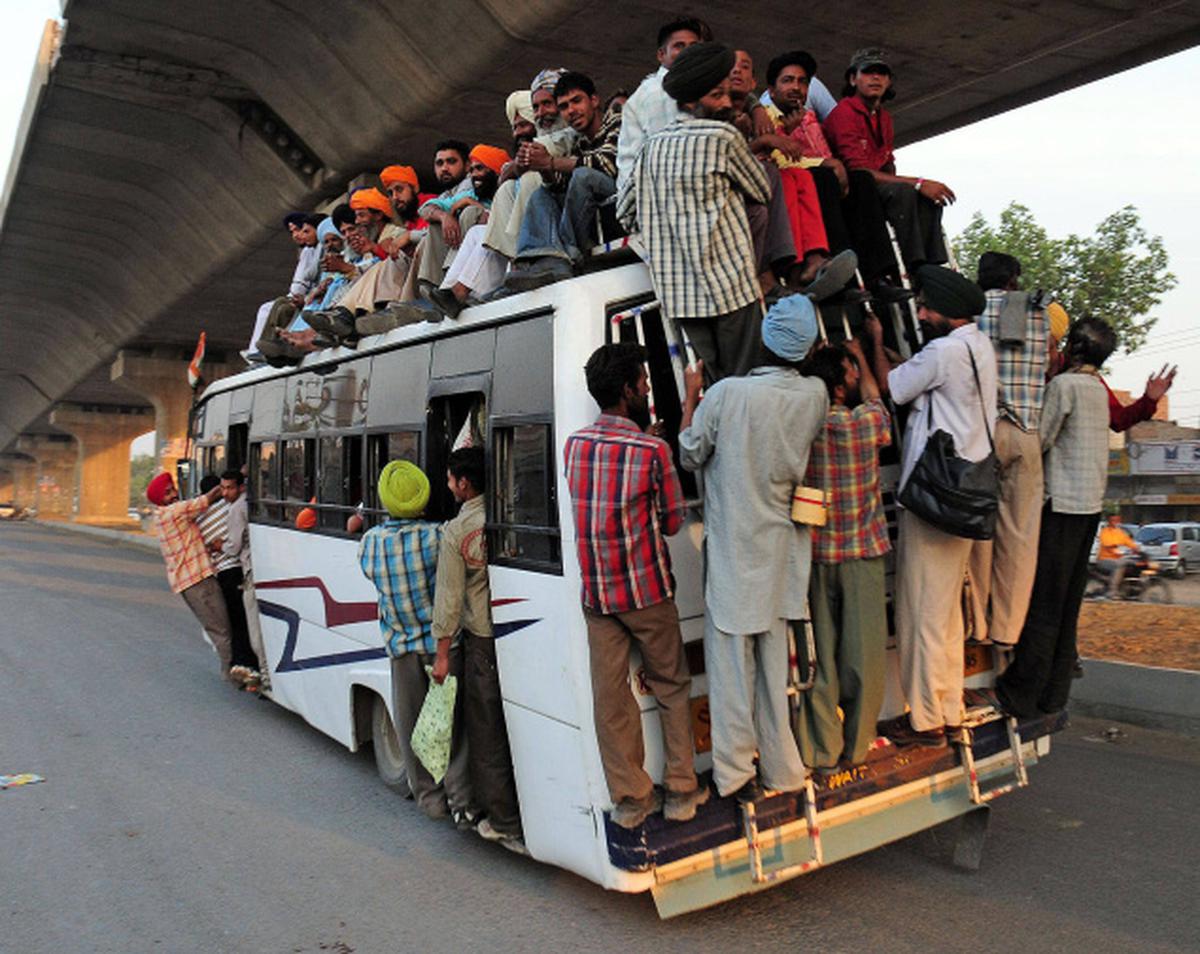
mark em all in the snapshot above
pixel 178 815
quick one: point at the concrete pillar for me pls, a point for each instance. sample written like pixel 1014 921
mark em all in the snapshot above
pixel 56 458
pixel 162 380
pixel 18 480
pixel 104 434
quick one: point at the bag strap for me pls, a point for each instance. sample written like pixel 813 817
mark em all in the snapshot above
pixel 982 407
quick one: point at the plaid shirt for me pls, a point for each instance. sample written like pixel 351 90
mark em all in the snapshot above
pixel 688 189
pixel 1074 436
pixel 1020 369
pixel 845 464
pixel 182 545
pixel 400 558
pixel 626 498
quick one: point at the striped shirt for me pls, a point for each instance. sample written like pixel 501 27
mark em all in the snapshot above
pixel 845 464
pixel 626 499
pixel 182 546
pixel 400 558
pixel 688 190
pixel 214 525
pixel 1020 368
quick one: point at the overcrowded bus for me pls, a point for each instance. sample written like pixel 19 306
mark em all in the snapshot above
pixel 509 373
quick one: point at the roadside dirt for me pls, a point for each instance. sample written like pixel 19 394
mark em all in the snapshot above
pixel 1140 633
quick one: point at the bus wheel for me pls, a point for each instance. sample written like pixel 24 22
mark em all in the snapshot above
pixel 389 760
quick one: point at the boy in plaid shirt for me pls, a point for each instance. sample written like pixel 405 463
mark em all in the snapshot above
pixel 846 594
pixel 626 500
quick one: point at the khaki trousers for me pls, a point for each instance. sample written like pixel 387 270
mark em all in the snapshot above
pixel 749 710
pixel 1002 569
pixel 410 682
pixel 492 781
pixel 382 282
pixel 508 209
pixel 930 568
pixel 207 603
pixel 849 618
pixel 655 629
pixel 434 256
pixel 254 627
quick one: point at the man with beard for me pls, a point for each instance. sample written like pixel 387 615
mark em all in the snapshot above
pixel 688 191
pixel 407 228
pixel 556 229
pixel 951 384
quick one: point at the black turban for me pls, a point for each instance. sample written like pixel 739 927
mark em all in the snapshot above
pixel 948 293
pixel 698 70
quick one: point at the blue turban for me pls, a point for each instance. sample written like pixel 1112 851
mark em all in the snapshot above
pixel 326 229
pixel 790 327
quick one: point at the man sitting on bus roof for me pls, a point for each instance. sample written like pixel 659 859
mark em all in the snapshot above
pixel 462 607
pixel 557 226
pixel 750 437
pixel 303 229
pixel 400 557
pixel 190 571
pixel 688 191
pixel 626 499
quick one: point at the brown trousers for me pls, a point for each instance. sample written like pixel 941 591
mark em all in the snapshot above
pixel 655 629
pixel 207 603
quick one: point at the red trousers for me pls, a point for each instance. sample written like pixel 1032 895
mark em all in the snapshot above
pixel 804 211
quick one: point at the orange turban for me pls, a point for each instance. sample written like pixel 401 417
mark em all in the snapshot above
pixel 306 519
pixel 491 156
pixel 372 199
pixel 394 174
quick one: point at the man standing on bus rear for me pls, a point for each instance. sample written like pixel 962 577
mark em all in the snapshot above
pixel 400 557
pixel 750 438
pixel 626 499
pixel 189 568
pixel 462 607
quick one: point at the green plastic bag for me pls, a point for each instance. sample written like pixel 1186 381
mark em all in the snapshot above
pixel 435 726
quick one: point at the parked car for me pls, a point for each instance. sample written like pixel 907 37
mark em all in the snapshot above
pixel 1174 546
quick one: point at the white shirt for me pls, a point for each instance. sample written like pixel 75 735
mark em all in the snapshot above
pixel 308 267
pixel 648 110
pixel 941 373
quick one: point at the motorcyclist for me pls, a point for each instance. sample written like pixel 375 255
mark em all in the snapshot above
pixel 1113 558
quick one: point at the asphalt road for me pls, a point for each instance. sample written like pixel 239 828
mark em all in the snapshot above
pixel 178 815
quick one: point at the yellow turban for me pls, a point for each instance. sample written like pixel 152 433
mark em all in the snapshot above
pixel 371 199
pixel 403 489
pixel 1056 314
pixel 393 174
pixel 491 156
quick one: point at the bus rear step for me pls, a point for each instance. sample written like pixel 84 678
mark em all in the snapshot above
pixel 966 743
pixel 750 826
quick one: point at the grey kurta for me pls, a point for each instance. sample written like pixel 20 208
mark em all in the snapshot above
pixel 751 436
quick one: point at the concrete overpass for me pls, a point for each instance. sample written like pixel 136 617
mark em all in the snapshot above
pixel 166 138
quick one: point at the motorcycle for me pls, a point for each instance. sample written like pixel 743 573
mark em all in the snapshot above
pixel 1142 583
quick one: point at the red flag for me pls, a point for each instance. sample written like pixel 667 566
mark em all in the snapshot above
pixel 197 360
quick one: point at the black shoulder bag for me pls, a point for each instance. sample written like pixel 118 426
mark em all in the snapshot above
pixel 958 496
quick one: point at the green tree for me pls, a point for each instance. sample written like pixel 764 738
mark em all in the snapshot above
pixel 1119 273
pixel 141 469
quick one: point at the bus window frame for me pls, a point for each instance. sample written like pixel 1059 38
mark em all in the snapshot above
pixel 494 527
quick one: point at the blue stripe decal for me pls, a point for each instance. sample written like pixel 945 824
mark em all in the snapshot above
pixel 288 662
pixel 507 629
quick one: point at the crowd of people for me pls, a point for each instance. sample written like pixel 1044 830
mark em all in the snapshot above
pixel 816 177
pixel 752 210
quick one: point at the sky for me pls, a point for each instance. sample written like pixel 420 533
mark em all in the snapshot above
pixel 1072 159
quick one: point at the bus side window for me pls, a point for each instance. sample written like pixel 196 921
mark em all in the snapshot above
pixel 523 530
pixel 299 475
pixel 381 448
pixel 235 446
pixel 264 481
pixel 339 479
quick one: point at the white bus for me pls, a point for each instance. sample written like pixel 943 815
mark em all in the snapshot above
pixel 512 370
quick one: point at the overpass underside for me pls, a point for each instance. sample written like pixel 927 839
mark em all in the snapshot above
pixel 170 136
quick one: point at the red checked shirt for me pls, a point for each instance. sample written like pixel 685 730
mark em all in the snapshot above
pixel 861 140
pixel 626 498
pixel 182 543
pixel 845 464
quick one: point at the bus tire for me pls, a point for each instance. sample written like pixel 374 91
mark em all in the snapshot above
pixel 389 760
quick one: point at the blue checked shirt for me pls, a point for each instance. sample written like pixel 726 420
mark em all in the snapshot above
pixel 1020 369
pixel 400 558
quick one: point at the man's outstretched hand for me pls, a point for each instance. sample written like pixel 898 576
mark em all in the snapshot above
pixel 1159 384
